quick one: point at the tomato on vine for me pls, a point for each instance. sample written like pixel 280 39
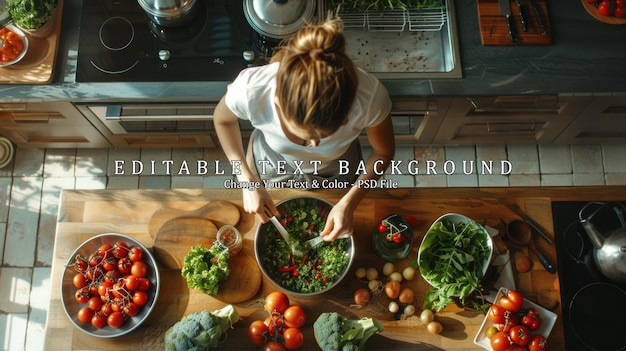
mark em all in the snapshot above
pixel 511 300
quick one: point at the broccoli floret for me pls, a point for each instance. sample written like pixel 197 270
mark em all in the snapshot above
pixel 200 331
pixel 334 333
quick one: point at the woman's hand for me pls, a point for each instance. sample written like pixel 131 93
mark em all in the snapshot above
pixel 338 223
pixel 259 202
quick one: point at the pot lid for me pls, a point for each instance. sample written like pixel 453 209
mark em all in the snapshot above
pixel 278 18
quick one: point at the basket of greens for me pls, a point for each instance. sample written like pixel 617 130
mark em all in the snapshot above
pixel 319 268
pixel 453 257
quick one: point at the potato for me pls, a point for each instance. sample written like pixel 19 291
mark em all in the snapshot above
pixel 388 268
pixel 371 274
pixel 360 272
pixel 408 273
pixel 396 276
pixel 392 289
pixel 393 307
pixel 434 327
pixel 427 316
pixel 406 296
pixel 361 296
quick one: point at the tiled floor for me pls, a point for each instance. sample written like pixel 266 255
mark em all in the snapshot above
pixel 31 184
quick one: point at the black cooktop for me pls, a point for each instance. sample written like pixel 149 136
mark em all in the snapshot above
pixel 591 303
pixel 119 43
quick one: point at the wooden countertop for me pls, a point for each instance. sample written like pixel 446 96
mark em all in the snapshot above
pixel 85 213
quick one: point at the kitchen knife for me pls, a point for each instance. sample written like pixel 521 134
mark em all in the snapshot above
pixel 522 15
pixel 533 5
pixel 505 10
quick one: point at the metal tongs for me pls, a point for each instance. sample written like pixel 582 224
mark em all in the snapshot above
pixel 283 232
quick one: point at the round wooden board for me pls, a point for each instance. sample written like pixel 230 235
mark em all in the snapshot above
pixel 219 212
pixel 593 11
pixel 176 237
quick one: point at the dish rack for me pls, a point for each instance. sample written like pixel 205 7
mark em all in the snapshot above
pixel 414 20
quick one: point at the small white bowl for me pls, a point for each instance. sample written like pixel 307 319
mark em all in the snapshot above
pixel 548 319
pixel 21 34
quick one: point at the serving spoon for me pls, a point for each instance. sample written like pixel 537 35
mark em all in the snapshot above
pixel 283 232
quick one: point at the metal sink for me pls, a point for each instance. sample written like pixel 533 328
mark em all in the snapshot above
pixel 419 43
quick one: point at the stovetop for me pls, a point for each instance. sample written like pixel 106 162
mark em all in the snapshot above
pixel 590 301
pixel 119 43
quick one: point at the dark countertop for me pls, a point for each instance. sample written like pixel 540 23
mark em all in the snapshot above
pixel 586 57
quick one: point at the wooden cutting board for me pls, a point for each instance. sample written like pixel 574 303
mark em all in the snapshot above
pixel 175 237
pixel 219 212
pixel 494 29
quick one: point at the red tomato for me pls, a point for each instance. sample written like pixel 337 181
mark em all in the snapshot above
pixel 109 263
pixel 294 316
pixel 124 265
pixel 115 319
pixel 382 228
pixel 293 338
pixel 496 314
pixel 82 295
pixel 103 288
pixel 620 12
pixel 531 319
pixel 135 254
pixel 276 302
pixel 273 346
pixel 275 324
pixel 95 303
pixel 500 342
pixel 520 335
pixel 120 249
pixel 143 284
pixel 511 301
pixel 80 265
pixel 605 8
pixel 112 276
pixel 99 320
pixel 107 308
pixel 258 333
pixel 79 280
pixel 139 269
pixel 140 298
pixel 85 314
pixel 130 309
pixel 131 282
pixel 538 343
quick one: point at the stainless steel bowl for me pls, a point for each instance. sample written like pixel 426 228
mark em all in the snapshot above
pixel 322 207
pixel 22 36
pixel 68 290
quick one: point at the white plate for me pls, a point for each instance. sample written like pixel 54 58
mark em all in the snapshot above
pixel 548 318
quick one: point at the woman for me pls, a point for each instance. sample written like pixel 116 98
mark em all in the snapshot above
pixel 308 107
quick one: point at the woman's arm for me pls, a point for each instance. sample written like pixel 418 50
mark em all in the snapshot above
pixel 381 139
pixel 229 135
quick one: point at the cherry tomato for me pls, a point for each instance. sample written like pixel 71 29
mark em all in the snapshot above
pixel 120 249
pixel 275 324
pixel 143 284
pixel 500 341
pixel 82 295
pixel 115 319
pixel 95 303
pixel 107 308
pixel 531 319
pixel 258 333
pixel 135 254
pixel 109 263
pixel 496 314
pixel 276 302
pixel 139 269
pixel 79 280
pixel 130 309
pixel 538 343
pixel 273 346
pixel 112 276
pixel 619 11
pixel 382 228
pixel 605 8
pixel 99 320
pixel 103 288
pixel 510 320
pixel 140 298
pixel 511 301
pixel 293 338
pixel 520 335
pixel 131 282
pixel 85 314
pixel 294 316
pixel 80 265
pixel 124 265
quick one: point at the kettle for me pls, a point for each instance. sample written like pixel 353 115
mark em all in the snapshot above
pixel 609 251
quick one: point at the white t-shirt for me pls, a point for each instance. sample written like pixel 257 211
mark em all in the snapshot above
pixel 251 97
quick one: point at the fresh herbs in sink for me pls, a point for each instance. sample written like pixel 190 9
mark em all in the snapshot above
pixel 382 5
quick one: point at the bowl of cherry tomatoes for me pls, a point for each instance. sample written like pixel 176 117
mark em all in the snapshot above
pixel 110 285
pixel 514 323
pixel 13 45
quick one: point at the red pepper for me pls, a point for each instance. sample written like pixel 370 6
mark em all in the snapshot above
pixel 303 260
pixel 288 268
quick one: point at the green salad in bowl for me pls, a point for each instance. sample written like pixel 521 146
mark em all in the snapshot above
pixel 319 268
pixel 453 257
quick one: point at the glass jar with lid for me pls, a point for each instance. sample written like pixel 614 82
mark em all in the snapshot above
pixel 229 237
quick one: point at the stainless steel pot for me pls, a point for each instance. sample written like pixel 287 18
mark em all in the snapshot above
pixel 169 13
pixel 278 19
